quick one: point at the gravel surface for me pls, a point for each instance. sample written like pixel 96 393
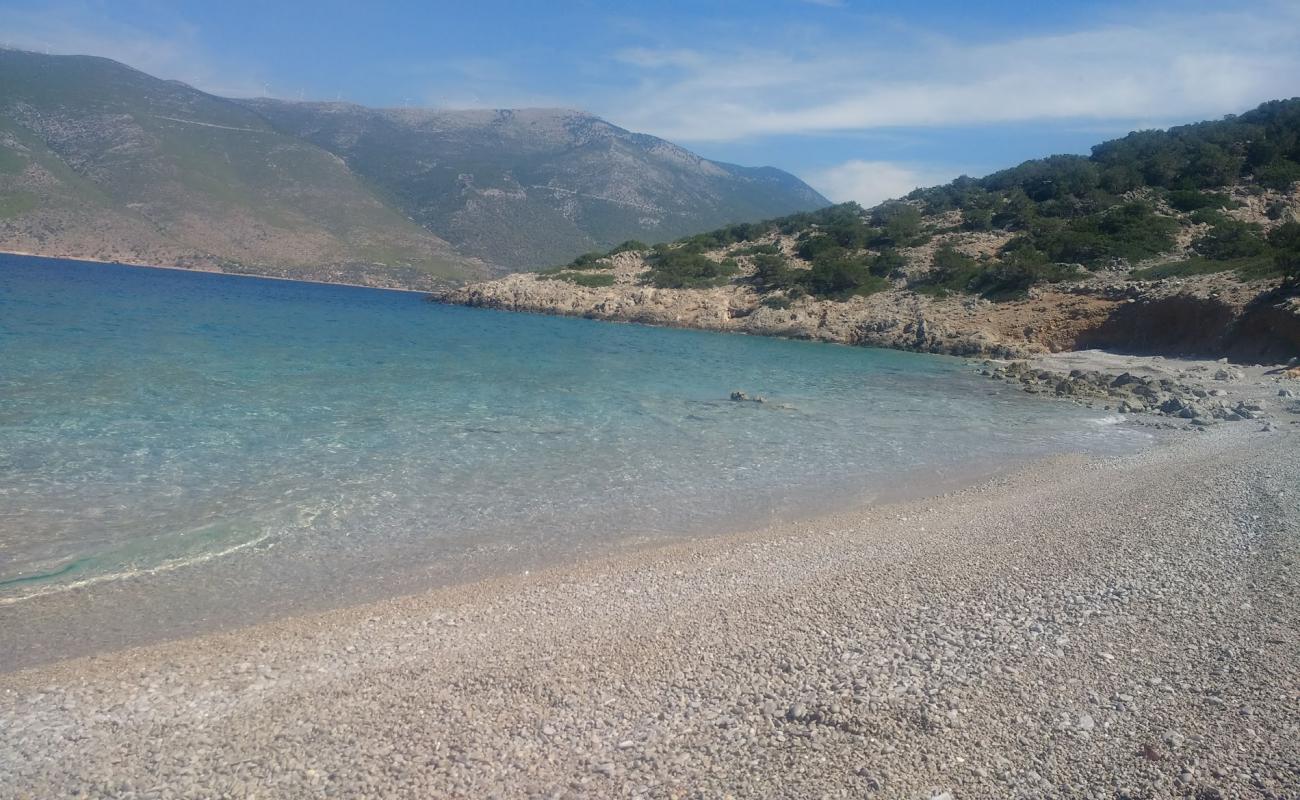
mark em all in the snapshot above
pixel 1104 628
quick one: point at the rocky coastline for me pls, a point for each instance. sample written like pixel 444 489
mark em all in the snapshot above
pixel 1182 392
pixel 1213 315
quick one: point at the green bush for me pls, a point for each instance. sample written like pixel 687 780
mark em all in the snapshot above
pixel 591 281
pixel 1007 278
pixel 1230 239
pixel 1132 232
pixel 1180 269
pixel 590 261
pixel 771 273
pixel 757 250
pixel 1016 212
pixel 837 276
pixel 1240 248
pixel 630 246
pixel 685 269
pixel 776 301
pixel 812 246
pixel 1208 216
pixel 898 223
pixel 1279 175
pixel 977 219
pixel 1011 277
pixel 889 262
pixel 1188 200
pixel 951 272
pixel 1257 267
pixel 1285 242
pixel 840 278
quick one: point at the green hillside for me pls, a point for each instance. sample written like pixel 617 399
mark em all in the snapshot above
pixel 1211 197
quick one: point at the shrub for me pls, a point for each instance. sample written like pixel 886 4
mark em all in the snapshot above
pixel 1187 200
pixel 1179 269
pixel 591 281
pixel 776 301
pixel 590 261
pixel 816 245
pixel 889 262
pixel 977 219
pixel 1012 276
pixel 757 250
pixel 1132 231
pixel 840 278
pixel 1278 175
pixel 1207 216
pixel 684 269
pixel 1285 241
pixel 1016 212
pixel 1230 239
pixel 952 272
pixel 771 272
pixel 899 224
pixel 630 246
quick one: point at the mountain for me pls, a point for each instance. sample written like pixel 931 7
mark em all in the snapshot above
pixel 530 188
pixel 99 160
pixel 1185 241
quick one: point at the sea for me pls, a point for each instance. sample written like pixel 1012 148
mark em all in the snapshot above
pixel 186 451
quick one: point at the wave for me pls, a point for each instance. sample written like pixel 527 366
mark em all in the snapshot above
pixel 165 566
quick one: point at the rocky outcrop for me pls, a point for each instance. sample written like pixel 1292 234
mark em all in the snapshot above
pixel 1196 401
pixel 1206 316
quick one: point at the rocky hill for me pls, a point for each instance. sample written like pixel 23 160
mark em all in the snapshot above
pixel 528 188
pixel 98 160
pixel 1184 241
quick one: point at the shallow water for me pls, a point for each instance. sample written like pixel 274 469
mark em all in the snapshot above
pixel 299 445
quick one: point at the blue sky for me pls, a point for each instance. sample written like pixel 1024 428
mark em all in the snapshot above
pixel 864 99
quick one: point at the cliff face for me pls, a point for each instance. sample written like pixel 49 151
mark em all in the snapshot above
pixel 1206 315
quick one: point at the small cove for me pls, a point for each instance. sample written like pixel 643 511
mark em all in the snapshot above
pixel 182 451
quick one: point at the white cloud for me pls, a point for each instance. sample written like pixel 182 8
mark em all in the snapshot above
pixel 1184 65
pixel 871 182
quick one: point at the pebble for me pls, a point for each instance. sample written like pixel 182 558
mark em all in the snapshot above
pixel 842 660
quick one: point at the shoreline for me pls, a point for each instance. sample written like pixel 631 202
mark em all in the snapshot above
pixel 98 602
pixel 906 647
pixel 208 271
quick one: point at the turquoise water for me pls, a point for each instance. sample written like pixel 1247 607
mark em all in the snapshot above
pixel 157 425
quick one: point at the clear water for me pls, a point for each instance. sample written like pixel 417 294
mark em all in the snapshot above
pixel 298 442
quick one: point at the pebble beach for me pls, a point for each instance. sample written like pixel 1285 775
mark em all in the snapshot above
pixel 1085 627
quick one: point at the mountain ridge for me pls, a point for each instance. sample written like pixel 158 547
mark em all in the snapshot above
pixel 566 168
pixel 101 160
